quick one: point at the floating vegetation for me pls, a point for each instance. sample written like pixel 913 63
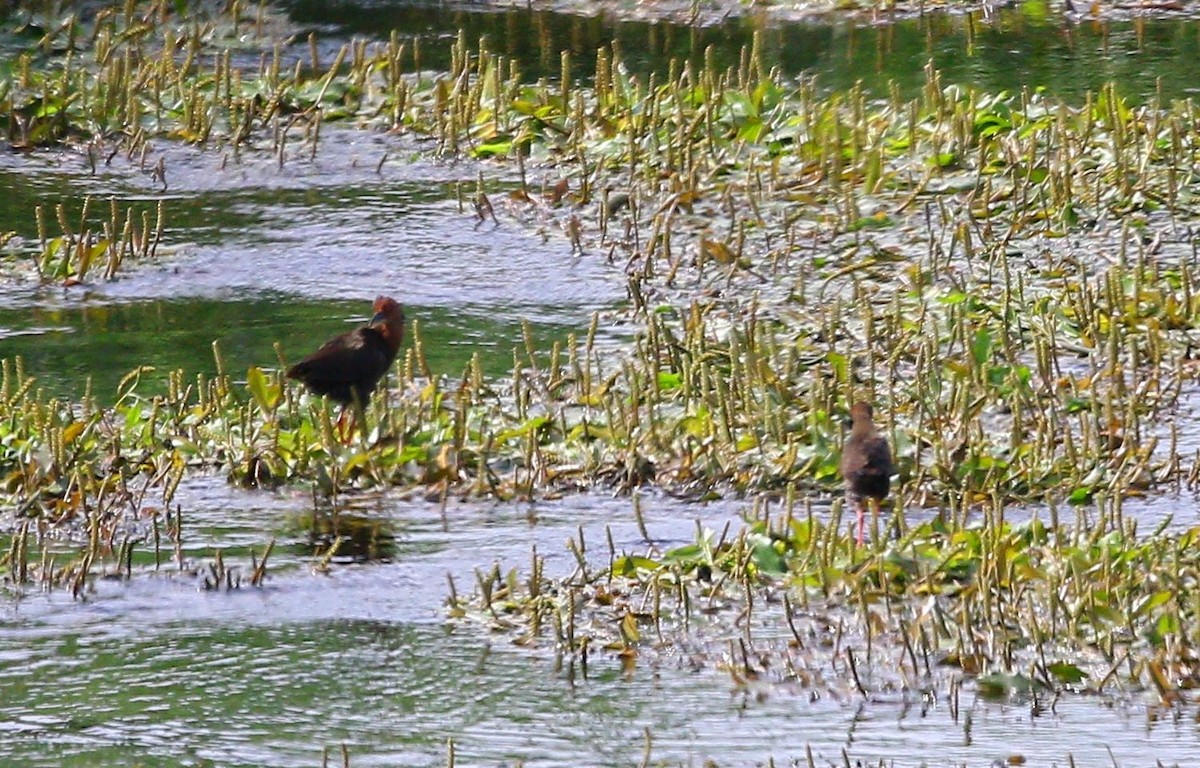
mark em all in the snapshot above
pixel 344 537
pixel 110 543
pixel 1023 612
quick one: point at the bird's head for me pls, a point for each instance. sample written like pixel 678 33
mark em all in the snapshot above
pixel 862 411
pixel 862 418
pixel 389 319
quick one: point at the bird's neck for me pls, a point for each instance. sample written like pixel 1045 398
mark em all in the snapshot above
pixel 863 430
pixel 392 331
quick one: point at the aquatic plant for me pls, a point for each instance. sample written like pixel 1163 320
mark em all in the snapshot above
pixel 1023 612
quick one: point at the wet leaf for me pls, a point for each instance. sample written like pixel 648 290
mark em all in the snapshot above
pixel 943 160
pixel 1066 673
pixel 981 346
pixel 718 251
pixel 266 394
pixel 669 382
pixel 629 629
pixel 768 559
pixel 1002 686
pixel 497 148
pixel 1149 602
pixel 629 565
pixel 685 554
pixel 72 431
pixel 876 221
pixel 530 425
pixel 1081 495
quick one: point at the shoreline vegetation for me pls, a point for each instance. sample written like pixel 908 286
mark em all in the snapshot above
pixel 1008 277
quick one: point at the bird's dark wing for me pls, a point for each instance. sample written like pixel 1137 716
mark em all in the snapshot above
pixel 357 359
pixel 871 454
pixel 878 455
pixel 867 467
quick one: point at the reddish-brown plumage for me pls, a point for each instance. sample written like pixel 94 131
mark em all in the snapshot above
pixel 349 366
pixel 866 462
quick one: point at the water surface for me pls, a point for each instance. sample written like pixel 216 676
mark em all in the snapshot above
pixel 253 254
pixel 158 671
pixel 161 672
pixel 1024 45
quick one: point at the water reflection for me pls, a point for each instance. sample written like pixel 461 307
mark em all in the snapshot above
pixel 1027 45
pixel 159 673
pixel 345 538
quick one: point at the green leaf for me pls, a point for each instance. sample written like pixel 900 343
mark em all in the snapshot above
pixel 629 565
pixel 752 130
pixel 686 554
pixel 1067 673
pixel 497 148
pixel 1081 495
pixel 999 686
pixel 942 160
pixel 746 442
pixel 669 382
pixel 531 425
pixel 413 453
pixel 266 394
pixel 698 424
pixel 1150 602
pixel 840 365
pixel 357 460
pixel 91 254
pixel 878 221
pixel 1168 624
pixel 767 559
pixel 981 346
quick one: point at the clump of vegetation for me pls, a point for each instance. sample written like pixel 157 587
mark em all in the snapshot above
pixel 1027 611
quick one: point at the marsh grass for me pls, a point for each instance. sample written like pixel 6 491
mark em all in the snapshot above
pixel 87 245
pixel 1021 613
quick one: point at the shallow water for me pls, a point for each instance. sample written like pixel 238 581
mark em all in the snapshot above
pixel 161 672
pixel 1028 44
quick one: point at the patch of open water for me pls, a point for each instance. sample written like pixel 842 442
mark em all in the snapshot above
pixel 1019 45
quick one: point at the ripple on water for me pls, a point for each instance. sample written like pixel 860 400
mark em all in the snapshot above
pixel 332 227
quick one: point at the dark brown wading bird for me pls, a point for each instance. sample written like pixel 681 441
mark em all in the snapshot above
pixel 866 463
pixel 347 368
